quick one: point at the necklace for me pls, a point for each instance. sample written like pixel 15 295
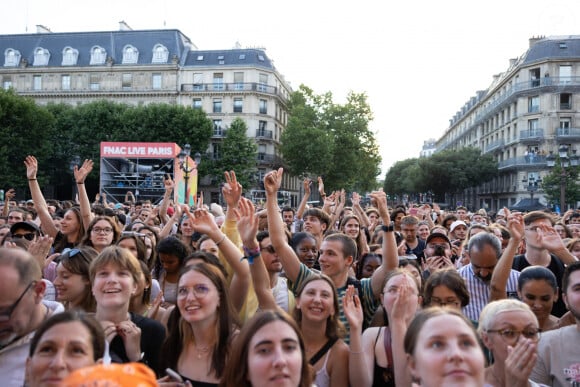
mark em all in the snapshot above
pixel 201 351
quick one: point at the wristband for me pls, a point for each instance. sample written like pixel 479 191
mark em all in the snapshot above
pixel 221 240
pixel 80 182
pixel 251 254
pixel 389 228
pixel 32 179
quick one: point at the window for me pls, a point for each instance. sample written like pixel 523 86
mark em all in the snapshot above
pixel 221 59
pixel 262 126
pixel 218 81
pixel 534 104
pixel 160 54
pixel 216 151
pixel 98 55
pixel 565 101
pixel 260 57
pixel 565 74
pixel 535 77
pixel 242 57
pixel 69 56
pixel 533 125
pixel 11 58
pixel 41 57
pixel 127 81
pixel 197 103
pixel 238 105
pixel 263 82
pixel 199 57
pixel 37 82
pixel 217 105
pixel 130 54
pixel 565 123
pixel 239 80
pixel 6 83
pixel 263 106
pixel 95 83
pixel 156 81
pixel 65 82
pixel 217 128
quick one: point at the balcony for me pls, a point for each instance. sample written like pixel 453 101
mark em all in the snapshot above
pixel 231 87
pixel 264 134
pixel 567 134
pixel 264 158
pixel 494 145
pixel 219 133
pixel 531 136
pixel 529 161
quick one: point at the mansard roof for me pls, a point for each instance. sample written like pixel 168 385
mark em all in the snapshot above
pixel 112 41
pixel 554 48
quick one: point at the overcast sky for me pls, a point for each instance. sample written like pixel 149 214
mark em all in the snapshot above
pixel 417 61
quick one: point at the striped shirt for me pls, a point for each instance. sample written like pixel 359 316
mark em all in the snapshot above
pixel 479 291
pixel 367 297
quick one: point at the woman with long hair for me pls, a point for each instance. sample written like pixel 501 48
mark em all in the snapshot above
pixel 270 346
pixel 202 326
pixel 72 282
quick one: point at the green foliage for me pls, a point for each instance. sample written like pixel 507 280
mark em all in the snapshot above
pixel 238 152
pixel 331 140
pixel 552 181
pixel 25 129
pixel 449 171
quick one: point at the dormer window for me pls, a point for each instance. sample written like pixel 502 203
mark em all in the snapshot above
pixel 98 55
pixel 41 57
pixel 69 56
pixel 130 54
pixel 160 54
pixel 11 57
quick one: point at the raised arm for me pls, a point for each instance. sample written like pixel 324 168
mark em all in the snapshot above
pixel 38 198
pixel 307 183
pixel 358 211
pixel 390 255
pixel 169 185
pixel 85 204
pixel 361 358
pixel 175 219
pixel 286 254
pixel 204 223
pixel 404 308
pixel 501 273
pixel 248 229
pixel 8 196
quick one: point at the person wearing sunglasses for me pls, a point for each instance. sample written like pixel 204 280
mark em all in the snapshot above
pixel 22 310
pixel 25 230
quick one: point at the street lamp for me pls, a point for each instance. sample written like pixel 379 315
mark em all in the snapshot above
pixel 75 161
pixel 533 184
pixel 565 162
pixel 183 157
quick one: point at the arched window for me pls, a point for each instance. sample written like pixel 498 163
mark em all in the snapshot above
pixel 98 55
pixel 160 54
pixel 130 54
pixel 11 57
pixel 41 57
pixel 69 56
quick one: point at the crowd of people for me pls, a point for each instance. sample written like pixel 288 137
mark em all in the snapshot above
pixel 251 294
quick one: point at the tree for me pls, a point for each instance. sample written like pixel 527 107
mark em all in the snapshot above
pixel 323 138
pixel 551 184
pixel 25 129
pixel 237 152
pixel 402 178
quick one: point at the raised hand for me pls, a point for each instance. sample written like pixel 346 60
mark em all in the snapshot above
pixel 40 248
pixel 352 308
pixel 380 199
pixel 520 362
pixel 247 222
pixel 321 186
pixel 168 183
pixel 31 167
pixel 82 172
pixel 355 199
pixel 232 189
pixel 306 184
pixel 515 224
pixel 201 220
pixel 273 181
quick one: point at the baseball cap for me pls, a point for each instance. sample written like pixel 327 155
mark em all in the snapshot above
pixel 29 226
pixel 437 235
pixel 457 223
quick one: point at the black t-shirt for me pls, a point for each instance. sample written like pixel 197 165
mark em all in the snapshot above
pixel 557 267
pixel 152 337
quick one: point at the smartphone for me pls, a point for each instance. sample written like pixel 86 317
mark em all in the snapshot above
pixel 173 375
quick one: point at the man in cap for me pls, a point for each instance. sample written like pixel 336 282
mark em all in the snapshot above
pixel 458 231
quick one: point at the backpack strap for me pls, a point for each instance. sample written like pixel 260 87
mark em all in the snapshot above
pixel 318 355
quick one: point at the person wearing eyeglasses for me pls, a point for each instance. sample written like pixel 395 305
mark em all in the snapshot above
pixel 510 330
pixel 22 310
pixel 101 232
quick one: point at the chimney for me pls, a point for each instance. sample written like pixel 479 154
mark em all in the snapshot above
pixel 123 26
pixel 40 29
pixel 535 39
pixel 513 61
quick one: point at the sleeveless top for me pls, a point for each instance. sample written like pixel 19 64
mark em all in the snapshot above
pixel 383 376
pixel 322 378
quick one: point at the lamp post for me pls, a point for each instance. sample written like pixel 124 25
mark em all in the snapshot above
pixel 75 161
pixel 533 184
pixel 565 162
pixel 184 166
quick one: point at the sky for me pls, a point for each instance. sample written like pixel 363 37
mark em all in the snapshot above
pixel 418 62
